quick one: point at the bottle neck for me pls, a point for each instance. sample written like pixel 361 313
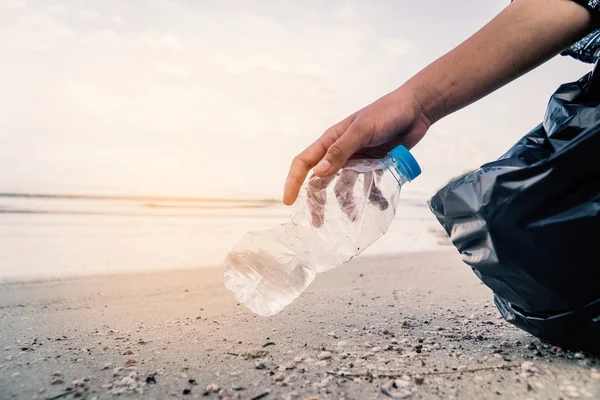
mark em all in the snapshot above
pixel 396 168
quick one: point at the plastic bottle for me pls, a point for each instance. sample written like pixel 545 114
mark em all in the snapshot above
pixel 334 220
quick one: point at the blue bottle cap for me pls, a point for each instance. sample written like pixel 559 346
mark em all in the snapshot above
pixel 406 162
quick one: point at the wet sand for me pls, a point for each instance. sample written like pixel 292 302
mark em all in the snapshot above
pixel 417 326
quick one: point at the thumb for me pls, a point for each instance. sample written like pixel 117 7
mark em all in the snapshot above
pixel 340 151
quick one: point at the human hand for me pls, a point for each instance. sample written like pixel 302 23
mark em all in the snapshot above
pixel 372 132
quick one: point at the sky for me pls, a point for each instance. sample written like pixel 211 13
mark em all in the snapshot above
pixel 214 98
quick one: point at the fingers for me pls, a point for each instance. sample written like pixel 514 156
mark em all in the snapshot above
pixel 316 193
pixel 375 196
pixel 341 150
pixel 306 160
pixel 344 192
pixel 301 164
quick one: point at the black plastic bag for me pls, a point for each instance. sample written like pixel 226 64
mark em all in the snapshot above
pixel 529 223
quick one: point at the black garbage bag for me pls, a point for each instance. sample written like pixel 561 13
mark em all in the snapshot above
pixel 528 224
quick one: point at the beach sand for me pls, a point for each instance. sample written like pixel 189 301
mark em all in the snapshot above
pixel 417 326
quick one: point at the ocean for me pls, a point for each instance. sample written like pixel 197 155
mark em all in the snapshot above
pixel 55 235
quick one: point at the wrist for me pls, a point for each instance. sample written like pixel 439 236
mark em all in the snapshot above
pixel 427 101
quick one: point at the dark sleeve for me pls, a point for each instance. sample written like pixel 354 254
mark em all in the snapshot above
pixel 588 48
pixel 592 5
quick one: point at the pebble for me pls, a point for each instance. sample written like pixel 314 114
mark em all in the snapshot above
pixel 128 382
pixel 324 355
pixel 322 363
pixel 290 365
pixel 297 359
pixel 528 369
pixel 341 344
pixel 16 375
pixel 376 349
pixel 332 333
pixel 128 352
pixel 130 361
pixel 57 381
pixel 212 388
pixel 279 377
pixel 570 391
pixel 7 348
pixel 260 365
pixel 187 391
pixel 79 383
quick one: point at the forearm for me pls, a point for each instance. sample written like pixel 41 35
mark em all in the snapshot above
pixel 526 34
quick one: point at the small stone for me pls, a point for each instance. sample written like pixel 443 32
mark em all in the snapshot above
pixel 57 381
pixel 128 352
pixel 394 341
pixel 16 375
pixel 130 361
pixel 324 355
pixel 78 383
pixel 290 365
pixel 151 379
pixel 376 349
pixel 106 366
pixel 128 382
pixel 332 333
pixel 322 363
pixel 528 369
pixel 297 359
pixel 385 332
pixel 260 365
pixel 341 344
pixel 212 388
pixel 368 345
pixel 419 380
pixel 571 391
pixel 187 391
pixel 579 356
pixel 7 348
pixel 279 377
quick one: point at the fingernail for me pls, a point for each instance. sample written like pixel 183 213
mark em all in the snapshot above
pixel 322 167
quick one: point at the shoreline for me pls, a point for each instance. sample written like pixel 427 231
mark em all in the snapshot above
pixel 157 271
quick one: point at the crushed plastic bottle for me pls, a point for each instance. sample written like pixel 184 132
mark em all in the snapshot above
pixel 334 220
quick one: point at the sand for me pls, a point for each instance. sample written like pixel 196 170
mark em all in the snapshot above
pixel 417 326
